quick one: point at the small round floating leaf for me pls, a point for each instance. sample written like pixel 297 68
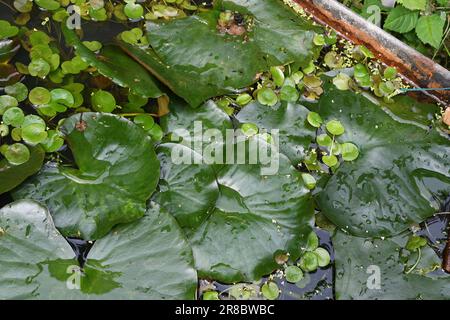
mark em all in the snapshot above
pixel 62 96
pixel 309 181
pixel 267 96
pixel 23 6
pixel 335 127
pixel 324 140
pixel 48 4
pixel 330 161
pixel 17 154
pixel 34 134
pixel 39 68
pixel 129 37
pixel 211 295
pixel 349 151
pixel 390 73
pixel 146 121
pixel 270 290
pixel 314 119
pixel 337 148
pixel 16 134
pixel 243 99
pixel 293 274
pixel 289 93
pixel 39 37
pixel 7 102
pixel 18 91
pixel 309 262
pixel 277 76
pixel 323 257
pixel 39 95
pixel 7 30
pixel 34 119
pixel 156 132
pixel 14 117
pixel 319 40
pixel 341 81
pixel 103 101
pixel 53 142
pixel 415 242
pixel 313 242
pixel 249 129
pixel 133 10
pixel 4 130
pixel 93 45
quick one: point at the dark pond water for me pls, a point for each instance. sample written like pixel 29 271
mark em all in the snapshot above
pixel 315 286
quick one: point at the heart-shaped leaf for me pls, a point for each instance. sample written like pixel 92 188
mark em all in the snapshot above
pixel 401 176
pixel 11 176
pixel 203 56
pixel 290 119
pixel 373 269
pixel 116 65
pixel 146 259
pixel 117 171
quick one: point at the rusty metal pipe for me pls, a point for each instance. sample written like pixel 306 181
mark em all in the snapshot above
pixel 418 69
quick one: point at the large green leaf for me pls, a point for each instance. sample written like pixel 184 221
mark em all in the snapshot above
pixel 29 247
pixel 198 62
pixel 256 215
pixel 146 259
pixel 117 171
pixel 290 119
pixel 359 260
pixel 113 63
pixel 11 176
pixel 401 176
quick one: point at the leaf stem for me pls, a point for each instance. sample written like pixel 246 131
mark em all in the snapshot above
pixel 417 262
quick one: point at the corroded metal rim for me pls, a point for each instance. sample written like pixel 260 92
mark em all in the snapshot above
pixel 415 67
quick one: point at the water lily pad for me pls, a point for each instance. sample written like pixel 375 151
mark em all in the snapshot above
pixel 400 177
pixel 290 119
pixel 38 263
pixel 181 117
pixel 112 63
pixel 194 50
pixel 11 176
pixel 372 269
pixel 116 173
pixel 256 215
